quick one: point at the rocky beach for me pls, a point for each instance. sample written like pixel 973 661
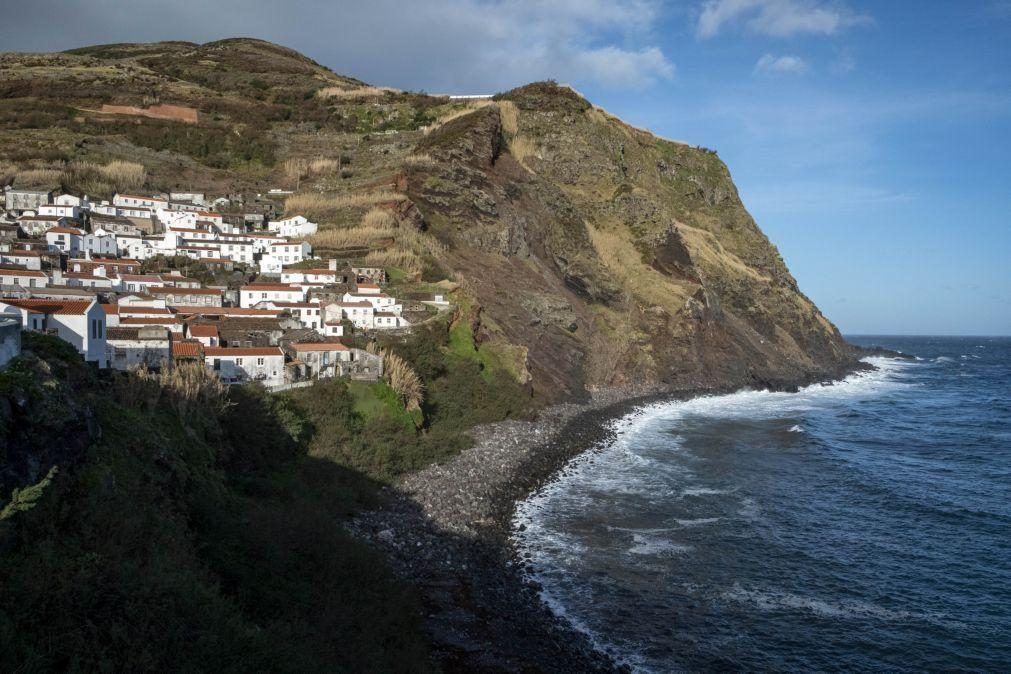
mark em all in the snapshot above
pixel 446 529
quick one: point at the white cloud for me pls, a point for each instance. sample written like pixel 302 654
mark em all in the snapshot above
pixel 443 46
pixel 777 18
pixel 781 64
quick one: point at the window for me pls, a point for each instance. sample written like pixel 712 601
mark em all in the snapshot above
pixel 238 361
pixel 259 361
pixel 217 364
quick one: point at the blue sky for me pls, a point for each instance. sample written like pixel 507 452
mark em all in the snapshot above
pixel 870 140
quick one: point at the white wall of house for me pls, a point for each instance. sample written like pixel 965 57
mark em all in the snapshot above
pixel 25 279
pixel 238 365
pixel 250 296
pixel 85 331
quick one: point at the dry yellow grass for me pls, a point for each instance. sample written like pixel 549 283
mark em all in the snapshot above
pixel 341 93
pixel 394 257
pixel 320 205
pixel 296 168
pixel 456 112
pixel 38 176
pixel 522 148
pixel 352 237
pixel 378 218
pixel 418 160
pixel 404 381
pixel 510 115
pixel 647 285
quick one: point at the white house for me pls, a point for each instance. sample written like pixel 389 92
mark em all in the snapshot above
pixel 99 243
pixel 85 280
pixel 61 210
pixel 316 278
pixel 361 314
pixel 255 293
pixel 80 322
pixel 322 359
pixel 380 301
pixel 82 203
pixel 205 333
pixel 135 201
pixel 282 253
pixel 29 259
pixel 127 347
pixel 309 314
pixel 386 320
pixel 293 227
pixel 26 278
pixel 64 239
pixel 238 365
pixel 207 297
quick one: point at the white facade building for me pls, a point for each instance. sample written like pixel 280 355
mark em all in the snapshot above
pixel 238 365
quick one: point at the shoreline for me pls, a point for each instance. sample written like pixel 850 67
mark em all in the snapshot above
pixel 447 530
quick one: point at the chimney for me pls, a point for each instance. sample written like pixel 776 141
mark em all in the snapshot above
pixel 333 264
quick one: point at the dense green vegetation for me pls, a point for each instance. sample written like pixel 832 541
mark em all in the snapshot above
pixel 162 522
pixel 188 535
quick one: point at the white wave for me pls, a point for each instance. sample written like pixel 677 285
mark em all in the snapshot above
pixel 705 491
pixel 852 609
pixel 651 545
pixel 944 359
pixel 699 522
pixel 796 428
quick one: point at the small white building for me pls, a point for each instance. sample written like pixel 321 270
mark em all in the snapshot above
pixel 79 322
pixel 136 201
pixel 283 253
pixel 361 314
pixel 99 243
pixel 206 297
pixel 322 359
pixel 309 314
pixel 239 365
pixel 65 239
pixel 61 210
pixel 297 226
pixel 150 346
pixel 26 278
pixel 205 333
pixel 255 293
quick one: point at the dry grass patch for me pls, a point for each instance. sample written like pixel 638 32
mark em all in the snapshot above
pixel 418 160
pixel 646 284
pixel 296 168
pixel 456 112
pixel 404 381
pixel 522 148
pixel 352 237
pixel 510 116
pixel 377 218
pixel 342 94
pixel 320 205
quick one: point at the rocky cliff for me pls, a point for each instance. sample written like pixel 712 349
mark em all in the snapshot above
pixel 584 253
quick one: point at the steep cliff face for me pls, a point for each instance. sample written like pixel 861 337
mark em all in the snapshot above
pixel 615 257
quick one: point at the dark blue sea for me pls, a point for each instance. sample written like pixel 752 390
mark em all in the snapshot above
pixel 860 526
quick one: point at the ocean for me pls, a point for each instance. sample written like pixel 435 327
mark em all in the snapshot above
pixel 859 526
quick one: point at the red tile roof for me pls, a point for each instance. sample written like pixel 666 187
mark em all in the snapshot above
pixel 202 330
pixel 318 346
pixel 23 272
pixel 65 230
pixel 150 320
pixel 247 351
pixel 164 290
pixel 187 349
pixel 54 307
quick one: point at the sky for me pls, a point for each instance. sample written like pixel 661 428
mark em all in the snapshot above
pixel 871 140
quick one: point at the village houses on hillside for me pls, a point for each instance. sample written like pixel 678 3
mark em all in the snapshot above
pixel 104 276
